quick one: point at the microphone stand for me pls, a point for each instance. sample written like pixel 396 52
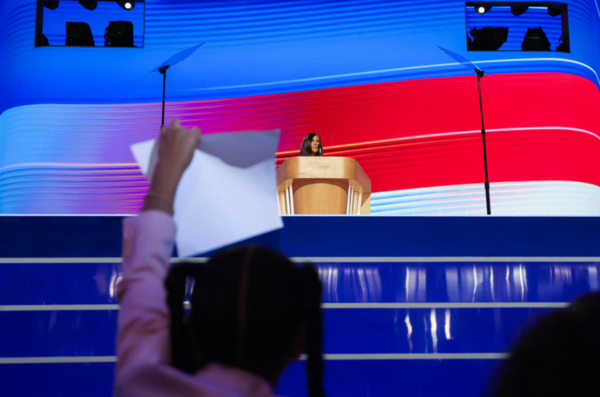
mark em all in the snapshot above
pixel 480 74
pixel 174 60
pixel 163 71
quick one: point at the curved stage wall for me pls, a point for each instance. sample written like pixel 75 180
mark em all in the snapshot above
pixel 413 306
pixel 365 76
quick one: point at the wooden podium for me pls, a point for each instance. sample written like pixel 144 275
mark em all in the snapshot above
pixel 323 185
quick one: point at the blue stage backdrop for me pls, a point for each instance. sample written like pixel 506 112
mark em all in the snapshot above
pixel 365 75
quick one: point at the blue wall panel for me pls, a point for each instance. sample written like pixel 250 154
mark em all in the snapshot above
pixel 347 331
pixel 64 380
pixel 341 236
pixel 437 236
pixel 95 283
pixel 424 378
pixel 58 283
pixel 58 333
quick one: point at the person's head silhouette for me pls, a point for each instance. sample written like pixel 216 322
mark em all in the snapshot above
pixel 251 308
pixel 558 356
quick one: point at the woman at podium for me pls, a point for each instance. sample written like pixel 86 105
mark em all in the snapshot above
pixel 311 145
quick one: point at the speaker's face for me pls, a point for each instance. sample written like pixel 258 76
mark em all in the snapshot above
pixel 314 145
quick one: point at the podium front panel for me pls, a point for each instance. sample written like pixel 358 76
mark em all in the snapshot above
pixel 320 196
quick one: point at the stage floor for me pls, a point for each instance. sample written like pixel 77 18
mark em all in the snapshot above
pixel 414 306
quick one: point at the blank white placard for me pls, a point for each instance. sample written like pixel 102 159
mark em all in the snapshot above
pixel 227 194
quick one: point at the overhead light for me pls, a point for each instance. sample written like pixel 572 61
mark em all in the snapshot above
pixel 126 4
pixel 516 11
pixel 482 9
pixel 89 4
pixel 52 4
pixel 554 11
pixel 488 38
pixel 79 34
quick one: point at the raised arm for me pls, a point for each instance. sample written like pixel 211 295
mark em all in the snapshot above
pixel 143 331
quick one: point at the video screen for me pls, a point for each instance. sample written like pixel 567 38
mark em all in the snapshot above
pixel 367 77
pixel 523 27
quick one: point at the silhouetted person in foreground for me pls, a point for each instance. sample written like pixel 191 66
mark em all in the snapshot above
pixel 558 356
pixel 252 309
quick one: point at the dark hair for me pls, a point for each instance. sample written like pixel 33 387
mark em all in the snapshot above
pixel 248 307
pixel 306 149
pixel 558 356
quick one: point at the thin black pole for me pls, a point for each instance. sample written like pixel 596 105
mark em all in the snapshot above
pixel 163 104
pixel 163 71
pixel 487 182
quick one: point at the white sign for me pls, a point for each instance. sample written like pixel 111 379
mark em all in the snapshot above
pixel 227 194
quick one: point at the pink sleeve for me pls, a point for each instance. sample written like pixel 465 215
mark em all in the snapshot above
pixel 143 331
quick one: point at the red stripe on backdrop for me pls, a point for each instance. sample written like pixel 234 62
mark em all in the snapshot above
pixel 366 113
pixel 518 155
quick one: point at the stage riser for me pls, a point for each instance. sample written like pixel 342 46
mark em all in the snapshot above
pixel 388 281
pixel 348 331
pixel 453 282
pixel 426 378
pixel 332 236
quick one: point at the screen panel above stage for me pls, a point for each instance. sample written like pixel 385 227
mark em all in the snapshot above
pixel 366 77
